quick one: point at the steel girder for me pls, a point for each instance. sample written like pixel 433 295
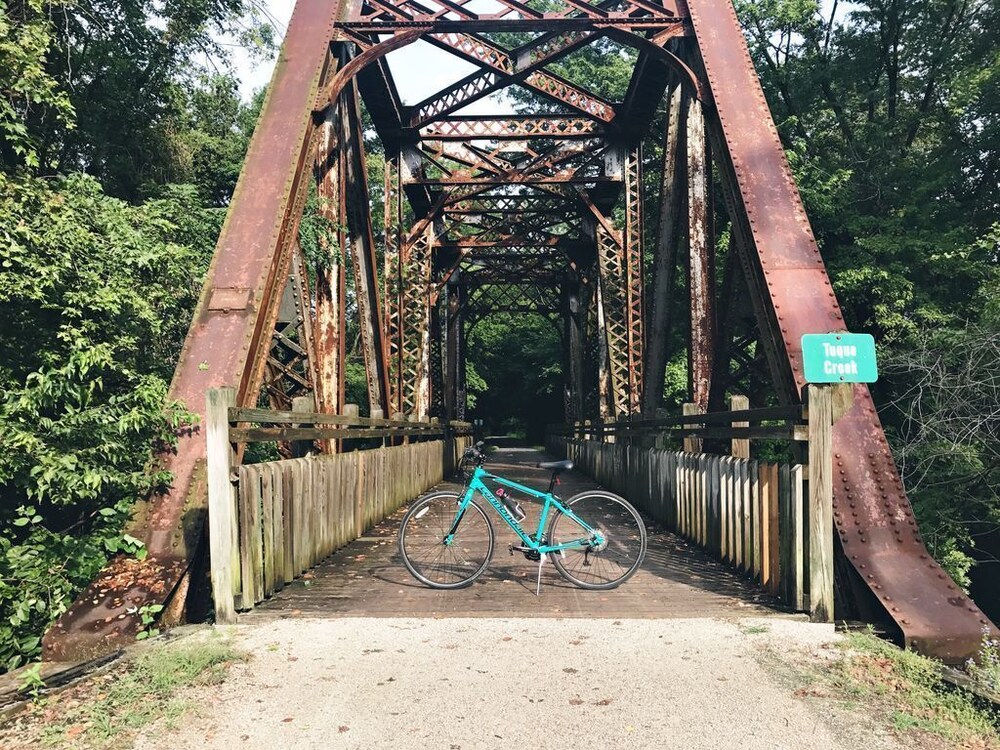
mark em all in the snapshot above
pixel 891 576
pixel 331 278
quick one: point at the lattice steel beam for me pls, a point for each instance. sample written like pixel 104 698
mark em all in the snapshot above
pixel 290 368
pixel 515 15
pixel 391 279
pixel 510 128
pixel 634 275
pixel 415 311
pixel 614 313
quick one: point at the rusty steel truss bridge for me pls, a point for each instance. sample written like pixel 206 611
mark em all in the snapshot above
pixel 540 211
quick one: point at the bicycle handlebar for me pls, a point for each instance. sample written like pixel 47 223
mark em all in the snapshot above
pixel 476 453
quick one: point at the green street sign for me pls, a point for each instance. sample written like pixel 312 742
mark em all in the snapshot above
pixel 839 358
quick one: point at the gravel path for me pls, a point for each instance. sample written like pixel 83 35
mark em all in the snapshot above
pixel 460 684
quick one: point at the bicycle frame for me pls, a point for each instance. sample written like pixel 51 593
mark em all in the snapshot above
pixel 476 484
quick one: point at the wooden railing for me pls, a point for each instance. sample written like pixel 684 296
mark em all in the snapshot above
pixel 270 522
pixel 772 522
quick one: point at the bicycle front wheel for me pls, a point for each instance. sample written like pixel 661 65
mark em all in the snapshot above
pixel 431 556
pixel 604 563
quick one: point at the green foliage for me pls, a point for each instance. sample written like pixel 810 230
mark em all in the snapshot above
pixel 110 709
pixel 136 94
pixel 907 687
pixel 147 616
pixel 985 668
pixel 96 296
pixel 946 411
pixel 26 35
pixel 319 236
pixel 97 293
pixel 514 374
pixel 31 681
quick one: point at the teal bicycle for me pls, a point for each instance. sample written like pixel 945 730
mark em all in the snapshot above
pixel 595 539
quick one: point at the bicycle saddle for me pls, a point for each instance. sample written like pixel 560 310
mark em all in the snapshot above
pixel 556 465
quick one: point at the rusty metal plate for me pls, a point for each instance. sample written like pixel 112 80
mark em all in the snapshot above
pixel 229 299
pixel 873 516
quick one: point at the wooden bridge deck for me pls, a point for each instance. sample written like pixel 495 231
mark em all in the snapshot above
pixel 367 578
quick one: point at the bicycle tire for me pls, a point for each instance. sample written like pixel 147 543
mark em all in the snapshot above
pixel 623 553
pixel 421 536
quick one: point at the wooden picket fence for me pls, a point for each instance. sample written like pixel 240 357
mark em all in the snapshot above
pixel 270 522
pixel 748 514
pixel 292 514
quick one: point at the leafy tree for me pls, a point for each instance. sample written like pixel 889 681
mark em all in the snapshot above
pixel 889 113
pixel 132 78
pixel 26 36
pixel 96 297
pixel 514 374
pixel 96 293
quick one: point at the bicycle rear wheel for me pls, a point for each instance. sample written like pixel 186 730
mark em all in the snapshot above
pixel 607 564
pixel 423 541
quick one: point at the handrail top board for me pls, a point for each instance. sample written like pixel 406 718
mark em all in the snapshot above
pixel 272 416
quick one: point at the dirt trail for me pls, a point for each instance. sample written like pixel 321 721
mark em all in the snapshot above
pixel 460 684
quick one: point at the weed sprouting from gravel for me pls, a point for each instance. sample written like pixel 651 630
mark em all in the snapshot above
pixel 106 712
pixel 908 687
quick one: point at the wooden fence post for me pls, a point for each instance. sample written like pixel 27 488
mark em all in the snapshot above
pixel 350 410
pixel 379 414
pixel 740 447
pixel 221 500
pixel 302 405
pixel 820 399
pixel 691 444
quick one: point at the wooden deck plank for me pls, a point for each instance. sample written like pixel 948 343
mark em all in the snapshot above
pixel 367 578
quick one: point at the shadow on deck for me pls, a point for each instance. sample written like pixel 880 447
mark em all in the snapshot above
pixel 367 577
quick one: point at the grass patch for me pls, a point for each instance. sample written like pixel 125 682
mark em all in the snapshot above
pixel 908 688
pixel 755 629
pixel 106 713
